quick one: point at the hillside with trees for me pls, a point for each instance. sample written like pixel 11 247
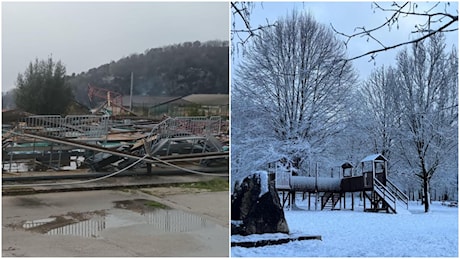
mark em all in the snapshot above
pixel 175 70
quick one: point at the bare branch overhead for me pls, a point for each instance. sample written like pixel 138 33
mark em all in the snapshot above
pixel 242 11
pixel 435 22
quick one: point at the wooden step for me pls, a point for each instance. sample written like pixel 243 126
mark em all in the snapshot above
pixel 269 242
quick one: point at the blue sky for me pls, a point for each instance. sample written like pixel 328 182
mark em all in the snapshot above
pixel 345 17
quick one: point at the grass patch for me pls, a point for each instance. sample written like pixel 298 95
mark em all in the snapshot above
pixel 155 204
pixel 18 191
pixel 217 184
pixel 128 190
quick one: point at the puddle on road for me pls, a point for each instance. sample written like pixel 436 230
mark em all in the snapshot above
pixel 86 224
pixel 86 228
pixel 92 225
pixel 176 221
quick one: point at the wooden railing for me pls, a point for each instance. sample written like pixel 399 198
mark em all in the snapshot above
pixel 398 193
pixel 385 194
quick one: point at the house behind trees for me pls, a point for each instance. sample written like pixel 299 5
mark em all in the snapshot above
pixel 191 105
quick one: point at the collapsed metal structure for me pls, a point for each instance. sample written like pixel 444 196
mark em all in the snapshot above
pixel 52 142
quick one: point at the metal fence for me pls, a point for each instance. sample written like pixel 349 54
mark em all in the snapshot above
pixel 92 126
pixel 201 126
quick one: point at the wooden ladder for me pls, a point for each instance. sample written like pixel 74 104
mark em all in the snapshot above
pixel 329 200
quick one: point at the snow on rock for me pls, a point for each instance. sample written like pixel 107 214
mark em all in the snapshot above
pixel 237 222
pixel 263 175
pixel 255 202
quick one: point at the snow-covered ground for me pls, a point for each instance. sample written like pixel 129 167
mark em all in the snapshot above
pixel 347 233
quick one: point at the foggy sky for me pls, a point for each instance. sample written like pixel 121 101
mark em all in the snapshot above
pixel 84 35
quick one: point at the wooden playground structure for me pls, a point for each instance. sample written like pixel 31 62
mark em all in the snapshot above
pixel 378 193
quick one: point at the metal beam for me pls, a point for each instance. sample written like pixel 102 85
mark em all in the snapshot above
pixel 185 157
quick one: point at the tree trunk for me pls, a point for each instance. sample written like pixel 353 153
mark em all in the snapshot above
pixel 296 165
pixel 426 193
pixel 293 205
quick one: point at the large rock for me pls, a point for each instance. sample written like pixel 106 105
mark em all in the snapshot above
pixel 256 213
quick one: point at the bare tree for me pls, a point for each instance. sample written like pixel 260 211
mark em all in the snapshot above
pixel 380 109
pixel 428 82
pixel 293 73
pixel 438 17
pixel 380 96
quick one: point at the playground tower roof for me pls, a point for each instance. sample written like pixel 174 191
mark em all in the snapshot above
pixel 374 157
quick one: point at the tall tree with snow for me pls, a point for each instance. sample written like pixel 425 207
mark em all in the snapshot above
pixel 379 94
pixel 380 119
pixel 294 73
pixel 428 83
pixel 252 145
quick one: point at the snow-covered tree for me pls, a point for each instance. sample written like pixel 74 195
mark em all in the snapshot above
pixel 251 145
pixel 379 94
pixel 428 85
pixel 295 77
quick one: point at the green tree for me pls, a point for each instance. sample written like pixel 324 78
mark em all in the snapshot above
pixel 42 89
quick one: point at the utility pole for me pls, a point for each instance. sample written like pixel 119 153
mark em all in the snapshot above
pixel 131 93
pixel 316 187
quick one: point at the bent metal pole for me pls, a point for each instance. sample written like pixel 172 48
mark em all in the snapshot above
pixel 187 157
